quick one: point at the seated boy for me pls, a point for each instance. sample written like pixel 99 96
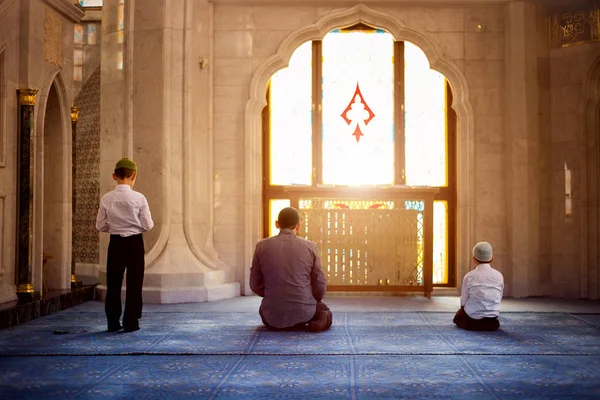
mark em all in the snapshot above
pixel 481 293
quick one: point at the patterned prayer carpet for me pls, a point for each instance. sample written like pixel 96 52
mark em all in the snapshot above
pixel 365 355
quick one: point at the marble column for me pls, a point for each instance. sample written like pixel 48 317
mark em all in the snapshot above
pixel 25 290
pixel 522 148
pixel 74 118
pixel 163 125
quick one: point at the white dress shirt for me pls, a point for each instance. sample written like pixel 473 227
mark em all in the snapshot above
pixel 124 212
pixel 482 292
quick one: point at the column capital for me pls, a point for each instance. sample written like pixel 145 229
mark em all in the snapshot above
pixel 25 288
pixel 27 97
pixel 74 114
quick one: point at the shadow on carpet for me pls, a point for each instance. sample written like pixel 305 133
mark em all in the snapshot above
pixel 364 355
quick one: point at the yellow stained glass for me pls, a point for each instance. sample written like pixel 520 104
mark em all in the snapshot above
pixel 121 16
pixel 78 34
pixel 440 242
pixel 425 121
pixel 291 121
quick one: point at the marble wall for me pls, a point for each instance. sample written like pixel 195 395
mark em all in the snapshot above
pixel 182 95
pixel 36 42
pixel 573 270
pixel 467 41
pixel 517 95
pixel 9 75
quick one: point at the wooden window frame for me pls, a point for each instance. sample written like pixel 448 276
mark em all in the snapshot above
pixel 444 193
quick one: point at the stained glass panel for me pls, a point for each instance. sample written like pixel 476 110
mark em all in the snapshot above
pixel 91 3
pixel 440 242
pixel 358 108
pixel 291 121
pixel 78 34
pixel 425 120
pixel 121 16
pixel 92 36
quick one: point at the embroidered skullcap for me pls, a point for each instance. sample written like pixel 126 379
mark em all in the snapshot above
pixel 483 252
pixel 126 163
pixel 288 218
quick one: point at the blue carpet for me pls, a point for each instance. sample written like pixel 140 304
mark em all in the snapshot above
pixel 363 356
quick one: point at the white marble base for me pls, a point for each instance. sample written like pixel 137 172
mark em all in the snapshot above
pixel 158 295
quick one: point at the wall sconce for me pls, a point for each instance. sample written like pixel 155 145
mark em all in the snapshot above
pixel 203 62
pixel 480 28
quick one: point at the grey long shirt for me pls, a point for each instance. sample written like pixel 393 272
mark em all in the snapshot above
pixel 286 272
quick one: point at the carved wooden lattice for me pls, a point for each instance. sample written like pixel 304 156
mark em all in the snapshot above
pixel 366 242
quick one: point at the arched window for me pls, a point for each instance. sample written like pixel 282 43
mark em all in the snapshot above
pixel 358 121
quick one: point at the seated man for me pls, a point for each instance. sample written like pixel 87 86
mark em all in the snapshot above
pixel 481 293
pixel 286 273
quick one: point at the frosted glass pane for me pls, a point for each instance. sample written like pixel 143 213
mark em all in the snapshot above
pixel 358 108
pixel 425 120
pixel 440 242
pixel 78 57
pixel 291 121
pixel 275 206
pixel 78 73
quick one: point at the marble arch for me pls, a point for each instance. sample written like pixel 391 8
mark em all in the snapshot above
pixel 257 101
pixel 62 185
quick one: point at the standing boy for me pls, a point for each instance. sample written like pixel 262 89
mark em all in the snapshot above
pixel 124 214
pixel 481 293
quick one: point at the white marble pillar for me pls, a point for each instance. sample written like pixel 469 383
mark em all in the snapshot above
pixel 171 141
pixel 522 148
pixel 112 117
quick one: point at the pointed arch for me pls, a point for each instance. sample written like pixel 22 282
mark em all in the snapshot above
pixel 54 82
pixel 341 18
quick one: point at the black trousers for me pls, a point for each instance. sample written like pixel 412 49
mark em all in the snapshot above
pixel 124 253
pixel 322 320
pixel 462 320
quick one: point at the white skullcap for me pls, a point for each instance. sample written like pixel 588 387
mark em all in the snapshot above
pixel 483 252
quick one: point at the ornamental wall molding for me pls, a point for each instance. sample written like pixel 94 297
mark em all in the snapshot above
pixel 67 9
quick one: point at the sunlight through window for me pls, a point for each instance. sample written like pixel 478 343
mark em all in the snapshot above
pixel 291 120
pixel 425 121
pixel 358 108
